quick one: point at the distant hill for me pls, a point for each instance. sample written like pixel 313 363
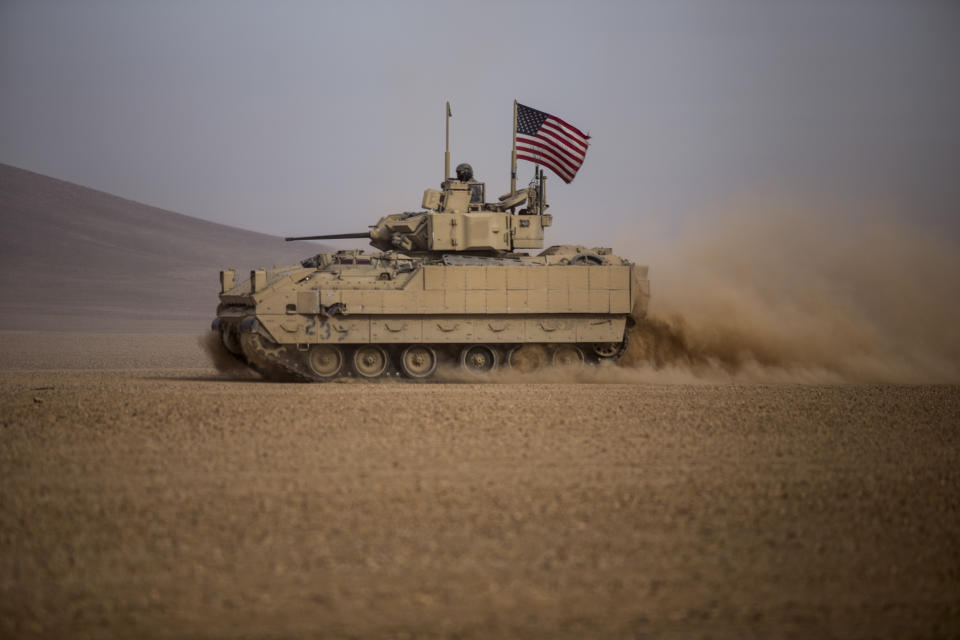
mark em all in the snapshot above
pixel 74 258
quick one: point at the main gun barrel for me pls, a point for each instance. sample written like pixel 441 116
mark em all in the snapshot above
pixel 333 236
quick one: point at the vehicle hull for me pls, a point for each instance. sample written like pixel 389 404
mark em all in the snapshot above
pixel 347 300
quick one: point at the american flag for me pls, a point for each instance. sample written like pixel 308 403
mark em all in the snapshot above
pixel 548 140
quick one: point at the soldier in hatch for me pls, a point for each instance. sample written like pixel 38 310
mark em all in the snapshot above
pixel 465 174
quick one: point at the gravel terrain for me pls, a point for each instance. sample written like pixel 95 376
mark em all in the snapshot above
pixel 176 502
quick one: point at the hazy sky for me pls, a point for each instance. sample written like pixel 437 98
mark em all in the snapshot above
pixel 315 117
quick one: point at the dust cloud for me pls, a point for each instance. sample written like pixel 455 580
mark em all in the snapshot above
pixel 220 358
pixel 794 296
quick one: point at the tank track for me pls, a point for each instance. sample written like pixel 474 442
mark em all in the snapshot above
pixel 281 363
pixel 274 363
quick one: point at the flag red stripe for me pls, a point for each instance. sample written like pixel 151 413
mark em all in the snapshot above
pixel 569 167
pixel 571 139
pixel 551 139
pixel 535 150
pixel 544 159
pixel 573 162
pixel 548 144
pixel 563 175
pixel 569 126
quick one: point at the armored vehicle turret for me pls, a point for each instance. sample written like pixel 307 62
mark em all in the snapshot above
pixel 453 282
pixel 458 219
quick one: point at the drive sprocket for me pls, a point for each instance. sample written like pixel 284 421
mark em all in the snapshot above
pixel 272 361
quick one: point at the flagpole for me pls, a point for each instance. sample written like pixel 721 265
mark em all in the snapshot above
pixel 446 154
pixel 513 153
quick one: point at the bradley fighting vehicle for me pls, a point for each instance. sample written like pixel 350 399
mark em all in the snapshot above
pixel 453 282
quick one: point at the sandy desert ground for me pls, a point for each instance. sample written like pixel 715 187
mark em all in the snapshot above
pixel 145 496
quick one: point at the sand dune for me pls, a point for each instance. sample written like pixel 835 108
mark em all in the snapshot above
pixel 78 259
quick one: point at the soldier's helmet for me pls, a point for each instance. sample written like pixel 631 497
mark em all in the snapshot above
pixel 464 172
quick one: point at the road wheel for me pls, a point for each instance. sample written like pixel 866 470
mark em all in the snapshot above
pixel 567 355
pixel 370 361
pixel 230 339
pixel 478 358
pixel 528 358
pixel 418 361
pixel 606 350
pixel 325 360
